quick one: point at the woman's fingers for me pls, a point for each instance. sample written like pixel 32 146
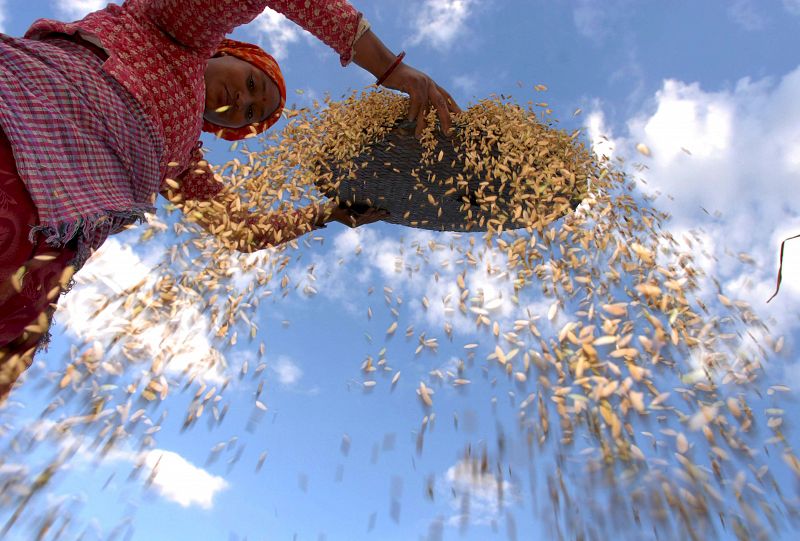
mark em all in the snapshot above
pixel 442 109
pixel 373 215
pixel 451 103
pixel 367 217
pixel 418 99
pixel 419 106
pixel 422 121
pixel 422 114
pixel 444 104
pixel 413 108
pixel 445 108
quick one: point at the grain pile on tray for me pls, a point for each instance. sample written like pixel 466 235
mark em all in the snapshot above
pixel 636 399
pixel 504 168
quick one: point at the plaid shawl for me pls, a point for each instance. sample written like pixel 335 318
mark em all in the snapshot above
pixel 86 150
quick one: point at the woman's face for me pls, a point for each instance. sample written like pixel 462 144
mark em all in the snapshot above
pixel 238 93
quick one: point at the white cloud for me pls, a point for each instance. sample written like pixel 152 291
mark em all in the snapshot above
pixel 608 23
pixel 487 283
pixel 169 473
pixel 792 6
pixel 486 494
pixel 180 481
pixel 746 14
pixel 3 15
pixel 597 19
pixel 182 340
pixel 590 18
pixel 601 136
pixel 279 32
pixel 418 272
pixel 467 84
pixel 439 22
pixel 420 264
pixel 77 9
pixel 7 469
pixel 682 121
pixel 287 371
pixel 730 162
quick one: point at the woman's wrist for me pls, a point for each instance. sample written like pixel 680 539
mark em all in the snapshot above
pixel 391 69
pixel 363 27
pixel 372 55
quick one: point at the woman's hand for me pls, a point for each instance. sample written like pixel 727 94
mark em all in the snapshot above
pixel 372 55
pixel 424 94
pixel 354 219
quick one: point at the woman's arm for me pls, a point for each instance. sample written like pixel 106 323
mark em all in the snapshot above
pixel 240 229
pixel 218 210
pixel 201 24
pixel 211 204
pixel 247 232
pixel 333 22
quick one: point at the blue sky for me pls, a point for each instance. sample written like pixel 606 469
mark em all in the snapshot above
pixel 711 87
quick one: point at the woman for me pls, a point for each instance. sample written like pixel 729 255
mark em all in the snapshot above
pixel 98 116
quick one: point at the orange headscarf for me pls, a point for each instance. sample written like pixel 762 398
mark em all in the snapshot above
pixel 256 56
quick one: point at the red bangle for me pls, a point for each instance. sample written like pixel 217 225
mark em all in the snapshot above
pixel 389 71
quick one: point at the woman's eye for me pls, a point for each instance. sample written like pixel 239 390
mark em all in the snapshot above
pixel 251 84
pixel 250 113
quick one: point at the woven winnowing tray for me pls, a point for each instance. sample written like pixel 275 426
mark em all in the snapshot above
pixel 443 194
